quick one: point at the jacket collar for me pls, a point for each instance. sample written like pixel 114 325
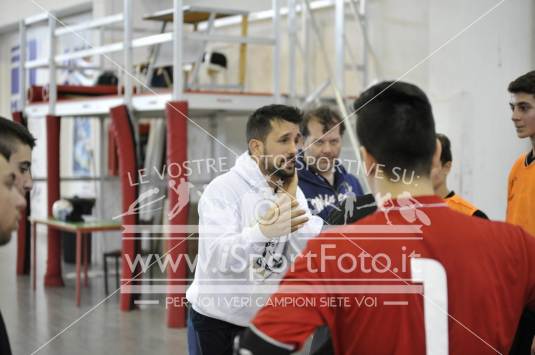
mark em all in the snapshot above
pixel 247 168
pixel 308 172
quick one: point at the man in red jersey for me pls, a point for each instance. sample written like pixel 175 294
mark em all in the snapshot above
pixel 413 278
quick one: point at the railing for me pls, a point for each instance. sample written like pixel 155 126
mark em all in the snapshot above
pixel 54 61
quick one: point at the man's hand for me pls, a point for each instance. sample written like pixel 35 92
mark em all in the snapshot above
pixel 283 218
pixel 290 186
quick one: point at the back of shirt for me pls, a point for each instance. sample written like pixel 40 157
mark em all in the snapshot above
pixel 399 281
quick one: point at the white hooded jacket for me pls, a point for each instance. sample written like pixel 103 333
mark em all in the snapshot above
pixel 235 259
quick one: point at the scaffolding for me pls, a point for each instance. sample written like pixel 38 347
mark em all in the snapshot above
pixel 154 101
pixel 182 101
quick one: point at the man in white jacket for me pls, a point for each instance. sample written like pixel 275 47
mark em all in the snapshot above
pixel 253 220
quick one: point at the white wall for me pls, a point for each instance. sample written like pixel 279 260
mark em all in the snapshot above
pixel 468 86
pixel 466 80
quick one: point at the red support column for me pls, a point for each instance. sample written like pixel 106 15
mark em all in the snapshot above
pixel 23 232
pixel 177 153
pixel 126 151
pixel 53 264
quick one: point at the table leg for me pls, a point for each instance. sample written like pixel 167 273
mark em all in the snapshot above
pixel 78 266
pixel 86 251
pixel 34 253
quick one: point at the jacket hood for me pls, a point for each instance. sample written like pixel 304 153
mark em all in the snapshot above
pixel 247 169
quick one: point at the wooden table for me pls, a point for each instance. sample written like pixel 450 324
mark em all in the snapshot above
pixel 80 229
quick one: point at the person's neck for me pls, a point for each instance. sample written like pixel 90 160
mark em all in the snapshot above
pixel 422 187
pixel 532 138
pixel 272 179
pixel 442 191
pixel 329 176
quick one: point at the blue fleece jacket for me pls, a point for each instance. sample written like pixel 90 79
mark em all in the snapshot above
pixel 323 197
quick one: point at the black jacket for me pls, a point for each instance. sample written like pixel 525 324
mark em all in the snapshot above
pixel 5 349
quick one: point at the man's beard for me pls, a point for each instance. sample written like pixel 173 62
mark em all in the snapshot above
pixel 276 169
pixel 284 174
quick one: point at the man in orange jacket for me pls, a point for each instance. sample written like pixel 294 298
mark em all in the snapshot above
pixel 521 190
pixel 521 185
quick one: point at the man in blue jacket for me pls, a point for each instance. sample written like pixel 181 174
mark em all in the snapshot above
pixel 322 178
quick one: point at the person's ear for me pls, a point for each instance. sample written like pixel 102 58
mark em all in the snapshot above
pixel 305 143
pixel 256 147
pixel 370 163
pixel 436 163
pixel 447 167
pixel 301 142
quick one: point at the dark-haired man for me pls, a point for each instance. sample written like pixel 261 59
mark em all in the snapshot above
pixel 324 180
pixel 251 220
pixel 21 142
pixel 521 183
pixel 11 203
pixel 440 181
pixel 413 278
pixel 521 191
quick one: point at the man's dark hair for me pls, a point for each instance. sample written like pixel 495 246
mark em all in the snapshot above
pixel 445 155
pixel 326 116
pixel 259 123
pixel 395 124
pixel 11 132
pixel 5 151
pixel 524 83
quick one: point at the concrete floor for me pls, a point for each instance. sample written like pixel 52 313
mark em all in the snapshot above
pixel 34 318
pixel 47 321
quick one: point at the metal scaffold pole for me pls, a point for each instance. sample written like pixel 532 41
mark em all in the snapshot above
pixel 364 21
pixel 292 46
pixel 276 52
pixel 22 65
pixel 52 84
pixel 338 95
pixel 339 64
pixel 178 80
pixel 128 52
